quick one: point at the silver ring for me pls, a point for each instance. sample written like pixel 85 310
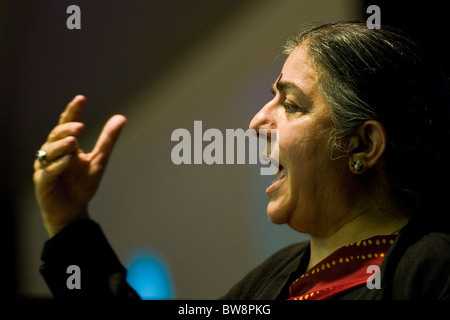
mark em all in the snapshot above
pixel 41 156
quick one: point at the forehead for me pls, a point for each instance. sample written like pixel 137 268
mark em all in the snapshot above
pixel 297 69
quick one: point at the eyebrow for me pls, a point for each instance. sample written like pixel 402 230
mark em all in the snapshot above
pixel 284 85
pixel 280 85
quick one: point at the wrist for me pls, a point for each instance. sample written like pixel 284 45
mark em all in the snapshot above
pixel 54 227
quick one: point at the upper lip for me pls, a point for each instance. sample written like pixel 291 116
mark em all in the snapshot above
pixel 274 163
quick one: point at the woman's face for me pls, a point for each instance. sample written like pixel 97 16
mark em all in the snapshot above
pixel 308 181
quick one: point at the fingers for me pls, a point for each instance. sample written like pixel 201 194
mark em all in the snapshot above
pixel 60 141
pixel 57 149
pixel 107 139
pixel 45 178
pixel 73 110
pixel 66 127
pixel 55 168
pixel 64 130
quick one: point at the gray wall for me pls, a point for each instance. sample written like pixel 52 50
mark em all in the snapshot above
pixel 163 64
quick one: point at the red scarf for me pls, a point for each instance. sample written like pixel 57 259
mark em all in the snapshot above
pixel 346 268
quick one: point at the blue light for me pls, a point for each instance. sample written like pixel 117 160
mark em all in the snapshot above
pixel 148 275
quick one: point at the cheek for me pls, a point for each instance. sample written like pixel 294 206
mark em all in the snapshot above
pixel 306 175
pixel 310 177
pixel 306 154
pixel 306 157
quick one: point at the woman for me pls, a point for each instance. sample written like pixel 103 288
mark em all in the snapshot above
pixel 363 118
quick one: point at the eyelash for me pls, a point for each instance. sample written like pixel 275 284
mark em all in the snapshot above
pixel 289 107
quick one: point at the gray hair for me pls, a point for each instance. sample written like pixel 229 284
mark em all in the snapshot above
pixel 348 109
pixel 380 74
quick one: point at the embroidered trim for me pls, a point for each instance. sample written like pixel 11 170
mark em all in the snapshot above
pixel 342 270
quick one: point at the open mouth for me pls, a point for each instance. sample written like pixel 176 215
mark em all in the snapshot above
pixel 279 176
pixel 281 173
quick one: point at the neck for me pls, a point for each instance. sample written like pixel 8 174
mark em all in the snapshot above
pixel 362 227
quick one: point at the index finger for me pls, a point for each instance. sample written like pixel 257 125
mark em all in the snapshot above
pixel 73 110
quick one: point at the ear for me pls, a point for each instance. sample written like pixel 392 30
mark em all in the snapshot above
pixel 366 146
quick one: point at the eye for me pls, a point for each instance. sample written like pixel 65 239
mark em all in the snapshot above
pixel 291 107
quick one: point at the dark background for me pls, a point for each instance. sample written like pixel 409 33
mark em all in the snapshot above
pixel 20 133
pixel 424 21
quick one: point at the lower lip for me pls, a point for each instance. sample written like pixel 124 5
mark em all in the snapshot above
pixel 274 186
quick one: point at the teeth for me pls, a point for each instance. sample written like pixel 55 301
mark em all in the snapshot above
pixel 280 174
pixel 280 171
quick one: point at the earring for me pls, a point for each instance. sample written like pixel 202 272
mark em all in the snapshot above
pixel 357 166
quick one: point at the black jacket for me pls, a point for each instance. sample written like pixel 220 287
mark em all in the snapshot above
pixel 417 266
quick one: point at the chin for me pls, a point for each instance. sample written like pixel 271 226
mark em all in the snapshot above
pixel 283 214
pixel 277 214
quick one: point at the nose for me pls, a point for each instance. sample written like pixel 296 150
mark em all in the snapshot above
pixel 263 123
pixel 265 118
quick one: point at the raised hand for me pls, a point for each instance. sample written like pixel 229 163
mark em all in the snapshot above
pixel 68 178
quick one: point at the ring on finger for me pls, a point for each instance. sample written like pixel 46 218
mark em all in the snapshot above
pixel 41 156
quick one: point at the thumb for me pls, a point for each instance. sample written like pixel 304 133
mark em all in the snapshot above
pixel 107 139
